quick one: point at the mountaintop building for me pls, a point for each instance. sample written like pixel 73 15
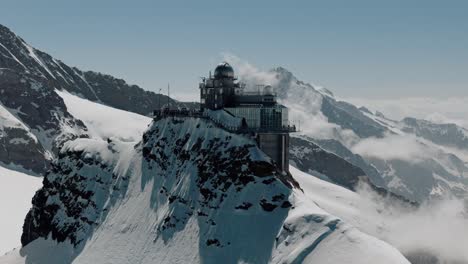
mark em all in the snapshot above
pixel 259 110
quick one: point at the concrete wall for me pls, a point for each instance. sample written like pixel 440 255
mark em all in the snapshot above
pixel 276 146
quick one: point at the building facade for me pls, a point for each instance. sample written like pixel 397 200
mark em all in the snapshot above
pixel 259 111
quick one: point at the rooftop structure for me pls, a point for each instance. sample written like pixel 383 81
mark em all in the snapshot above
pixel 259 111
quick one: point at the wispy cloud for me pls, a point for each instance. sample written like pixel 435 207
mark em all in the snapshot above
pixel 248 73
pixel 304 102
pixel 439 110
pixel 437 228
pixel 393 147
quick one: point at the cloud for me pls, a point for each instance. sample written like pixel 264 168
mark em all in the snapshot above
pixel 248 73
pixel 439 110
pixel 393 147
pixel 436 228
pixel 303 101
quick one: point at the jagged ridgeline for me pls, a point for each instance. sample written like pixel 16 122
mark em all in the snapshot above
pixel 186 179
pixel 29 79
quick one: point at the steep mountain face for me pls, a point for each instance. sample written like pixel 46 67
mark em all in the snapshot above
pixel 44 120
pixel 449 135
pixel 18 56
pixel 309 157
pixel 29 79
pixel 347 116
pixel 337 148
pixel 18 145
pixel 188 192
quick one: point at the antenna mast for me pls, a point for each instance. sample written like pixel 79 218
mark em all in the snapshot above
pixel 159 100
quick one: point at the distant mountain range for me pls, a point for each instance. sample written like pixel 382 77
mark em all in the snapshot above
pixel 414 158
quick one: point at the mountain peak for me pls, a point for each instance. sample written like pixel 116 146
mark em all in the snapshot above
pixel 5 31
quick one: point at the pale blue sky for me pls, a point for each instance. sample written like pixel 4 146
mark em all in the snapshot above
pixel 374 49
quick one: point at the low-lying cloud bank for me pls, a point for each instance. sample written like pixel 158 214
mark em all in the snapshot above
pixel 435 232
pixel 438 110
pixel 393 147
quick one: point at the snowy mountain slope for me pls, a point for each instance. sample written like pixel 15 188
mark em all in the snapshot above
pixel 309 157
pixel 198 200
pixel 422 234
pixel 104 121
pixel 16 191
pixel 337 241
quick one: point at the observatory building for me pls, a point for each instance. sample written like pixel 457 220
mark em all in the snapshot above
pixel 261 115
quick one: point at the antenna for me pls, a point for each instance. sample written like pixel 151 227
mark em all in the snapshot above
pixel 168 96
pixel 159 100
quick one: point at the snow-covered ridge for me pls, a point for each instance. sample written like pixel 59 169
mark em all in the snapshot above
pixel 104 121
pixel 188 192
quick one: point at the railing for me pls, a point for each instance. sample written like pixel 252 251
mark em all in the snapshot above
pixel 163 113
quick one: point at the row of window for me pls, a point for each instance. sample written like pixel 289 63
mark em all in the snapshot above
pixel 262 117
pixel 210 90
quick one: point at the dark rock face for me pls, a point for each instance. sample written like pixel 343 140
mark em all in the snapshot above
pixel 340 150
pixel 444 134
pixel 45 115
pixel 348 116
pixel 310 157
pixel 39 107
pixel 72 201
pixel 17 147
